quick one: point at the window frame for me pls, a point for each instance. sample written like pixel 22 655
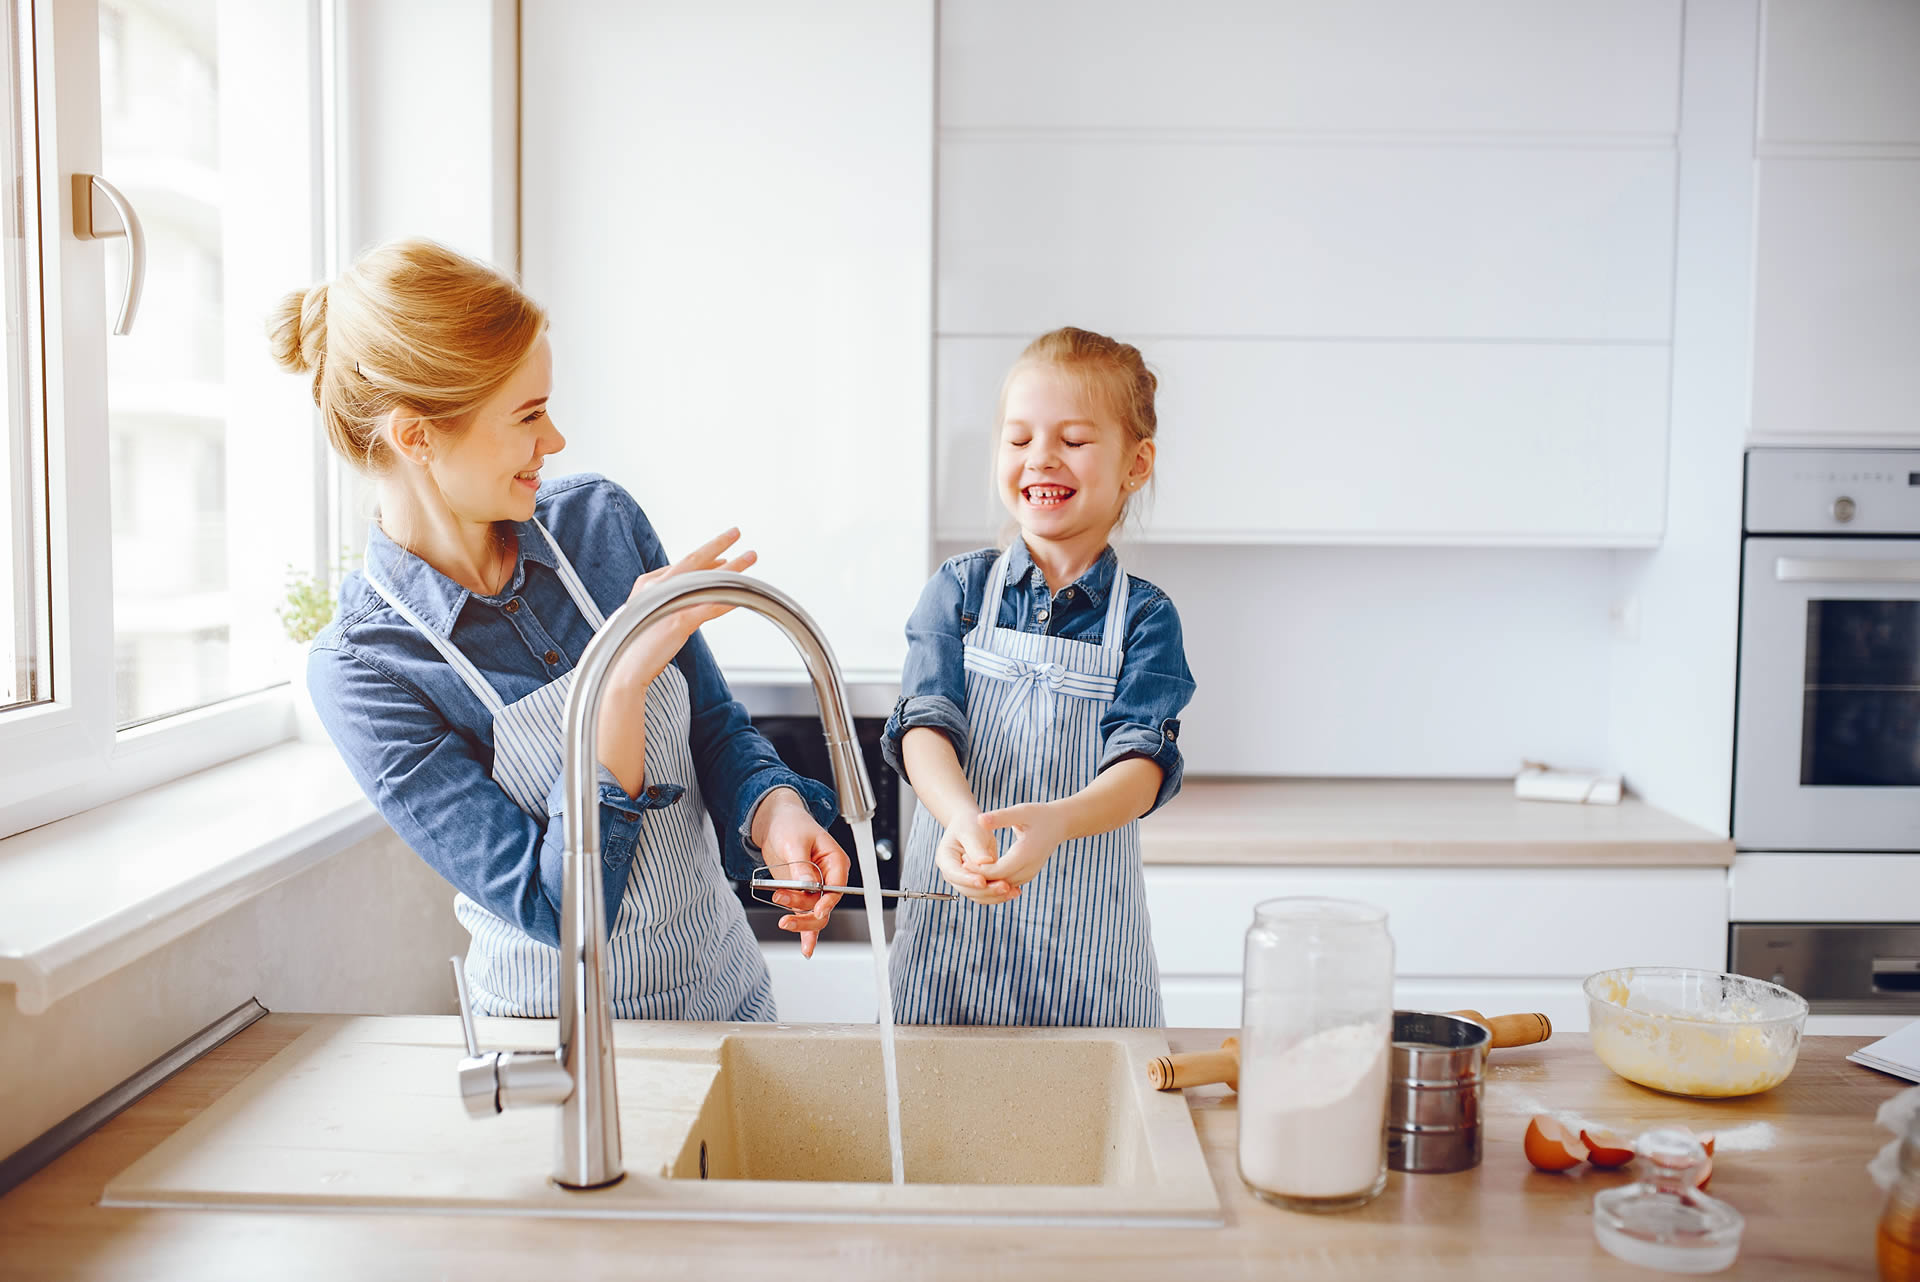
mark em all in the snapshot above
pixel 65 754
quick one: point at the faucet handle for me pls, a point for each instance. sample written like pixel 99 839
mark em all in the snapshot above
pixel 479 1074
pixel 496 1081
pixel 466 1007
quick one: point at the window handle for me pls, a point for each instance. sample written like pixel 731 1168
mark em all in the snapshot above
pixel 94 220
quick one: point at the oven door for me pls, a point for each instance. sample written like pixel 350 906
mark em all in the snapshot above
pixel 1827 754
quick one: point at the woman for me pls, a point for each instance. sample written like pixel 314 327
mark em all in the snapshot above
pixel 443 676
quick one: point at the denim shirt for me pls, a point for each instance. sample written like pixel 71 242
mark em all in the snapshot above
pixel 420 742
pixel 1144 718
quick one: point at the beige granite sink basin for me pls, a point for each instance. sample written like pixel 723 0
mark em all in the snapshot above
pixel 718 1121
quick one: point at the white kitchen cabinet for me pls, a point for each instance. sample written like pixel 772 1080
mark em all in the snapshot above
pixel 1362 65
pixel 1261 441
pixel 1839 72
pixel 1837 241
pixel 727 208
pixel 1494 940
pixel 1836 307
pixel 1305 239
pixel 1406 269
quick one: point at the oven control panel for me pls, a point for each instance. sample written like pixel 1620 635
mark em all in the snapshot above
pixel 1833 491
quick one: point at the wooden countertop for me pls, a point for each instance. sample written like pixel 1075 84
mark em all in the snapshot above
pixel 1811 1209
pixel 1403 822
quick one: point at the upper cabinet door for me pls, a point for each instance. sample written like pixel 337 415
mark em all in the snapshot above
pixel 1405 267
pixel 1837 265
pixel 727 207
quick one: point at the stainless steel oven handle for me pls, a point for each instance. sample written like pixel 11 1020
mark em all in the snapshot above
pixel 1820 569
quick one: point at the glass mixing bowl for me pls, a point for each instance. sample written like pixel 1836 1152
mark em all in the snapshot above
pixel 1694 1032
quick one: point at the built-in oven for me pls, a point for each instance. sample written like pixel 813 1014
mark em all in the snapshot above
pixel 1826 795
pixel 789 718
pixel 1827 751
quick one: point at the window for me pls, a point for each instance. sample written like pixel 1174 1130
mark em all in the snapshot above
pixel 162 483
pixel 200 101
pixel 24 638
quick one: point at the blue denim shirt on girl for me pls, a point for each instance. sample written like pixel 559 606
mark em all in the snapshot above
pixel 420 742
pixel 1144 718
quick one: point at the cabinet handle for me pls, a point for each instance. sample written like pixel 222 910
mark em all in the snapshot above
pixel 1815 569
pixel 91 223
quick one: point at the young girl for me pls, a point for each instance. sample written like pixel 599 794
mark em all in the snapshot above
pixel 1041 698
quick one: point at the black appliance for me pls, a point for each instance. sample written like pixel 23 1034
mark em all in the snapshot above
pixel 802 744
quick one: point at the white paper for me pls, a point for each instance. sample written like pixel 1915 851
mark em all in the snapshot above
pixel 1589 786
pixel 1897 1053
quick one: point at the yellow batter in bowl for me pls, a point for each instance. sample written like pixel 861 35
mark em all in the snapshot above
pixel 1694 1032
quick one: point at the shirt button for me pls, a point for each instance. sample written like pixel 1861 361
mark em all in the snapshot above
pixel 1042 616
pixel 1068 594
pixel 552 657
pixel 513 606
pixel 655 792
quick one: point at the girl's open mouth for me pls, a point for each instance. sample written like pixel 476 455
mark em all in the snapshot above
pixel 1048 495
pixel 529 479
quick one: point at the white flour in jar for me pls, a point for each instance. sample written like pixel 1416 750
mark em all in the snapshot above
pixel 1313 1118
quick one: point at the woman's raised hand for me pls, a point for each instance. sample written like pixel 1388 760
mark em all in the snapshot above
pixel 623 704
pixel 649 655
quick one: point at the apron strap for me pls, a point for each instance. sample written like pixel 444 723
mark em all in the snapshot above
pixel 582 599
pixel 990 607
pixel 569 578
pixel 448 651
pixel 1113 632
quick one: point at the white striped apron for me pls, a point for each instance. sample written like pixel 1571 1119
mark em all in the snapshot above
pixel 1075 948
pixel 679 946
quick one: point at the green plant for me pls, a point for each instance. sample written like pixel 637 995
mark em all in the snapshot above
pixel 309 601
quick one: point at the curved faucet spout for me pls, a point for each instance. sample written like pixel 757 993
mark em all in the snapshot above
pixel 588 1154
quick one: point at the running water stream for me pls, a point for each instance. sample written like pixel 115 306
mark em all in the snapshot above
pixel 876 931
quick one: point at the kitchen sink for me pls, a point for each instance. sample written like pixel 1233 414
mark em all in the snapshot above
pixel 718 1121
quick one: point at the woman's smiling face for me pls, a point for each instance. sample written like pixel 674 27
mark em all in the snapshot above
pixel 1064 462
pixel 491 471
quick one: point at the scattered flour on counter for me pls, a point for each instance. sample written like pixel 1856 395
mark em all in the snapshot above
pixel 1753 1137
pixel 1528 1106
pixel 1748 1137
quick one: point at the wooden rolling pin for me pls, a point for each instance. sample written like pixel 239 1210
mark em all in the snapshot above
pixel 1201 1068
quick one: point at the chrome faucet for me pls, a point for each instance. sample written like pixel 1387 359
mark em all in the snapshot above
pixel 579 1075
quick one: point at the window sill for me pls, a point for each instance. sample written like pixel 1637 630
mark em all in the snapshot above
pixel 85 896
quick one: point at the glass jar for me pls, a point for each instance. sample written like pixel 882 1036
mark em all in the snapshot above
pixel 1899 1237
pixel 1663 1221
pixel 1315 1025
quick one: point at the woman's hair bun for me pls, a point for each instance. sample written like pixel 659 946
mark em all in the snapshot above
pixel 297 331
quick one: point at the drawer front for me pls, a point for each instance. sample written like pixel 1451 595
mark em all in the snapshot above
pixel 1498 922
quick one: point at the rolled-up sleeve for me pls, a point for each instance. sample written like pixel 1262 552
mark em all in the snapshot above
pixel 735 764
pixel 1155 686
pixel 933 681
pixel 431 784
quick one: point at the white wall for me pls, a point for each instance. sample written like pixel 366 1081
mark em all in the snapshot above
pixel 431 117
pixel 1386 661
pixel 1673 660
pixel 728 208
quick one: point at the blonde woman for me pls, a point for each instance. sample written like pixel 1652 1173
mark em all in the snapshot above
pixel 442 678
